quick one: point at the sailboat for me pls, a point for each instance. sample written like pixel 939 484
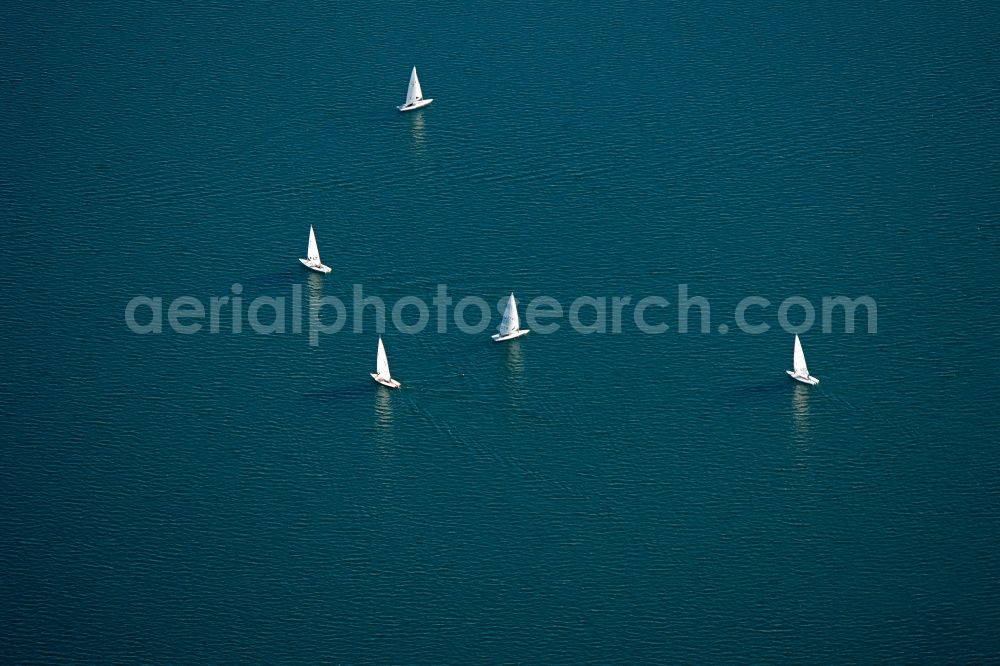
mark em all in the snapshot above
pixel 381 374
pixel 414 95
pixel 510 325
pixel 312 259
pixel 800 372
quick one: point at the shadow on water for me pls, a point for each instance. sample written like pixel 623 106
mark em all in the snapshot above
pixel 281 282
pixel 772 387
pixel 285 278
pixel 342 394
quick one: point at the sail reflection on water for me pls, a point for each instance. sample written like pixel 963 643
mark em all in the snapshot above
pixel 514 359
pixel 315 286
pixel 417 130
pixel 800 414
pixel 385 436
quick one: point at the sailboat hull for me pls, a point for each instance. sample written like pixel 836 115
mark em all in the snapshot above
pixel 391 383
pixel 510 336
pixel 415 105
pixel 319 268
pixel 808 379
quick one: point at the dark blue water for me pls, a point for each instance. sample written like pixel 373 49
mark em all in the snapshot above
pixel 562 498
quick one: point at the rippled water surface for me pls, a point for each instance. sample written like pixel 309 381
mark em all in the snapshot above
pixel 561 498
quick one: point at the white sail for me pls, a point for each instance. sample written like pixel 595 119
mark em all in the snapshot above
pixel 799 360
pixel 382 363
pixel 414 93
pixel 313 252
pixel 510 322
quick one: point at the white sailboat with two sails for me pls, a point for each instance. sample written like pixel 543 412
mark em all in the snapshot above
pixel 799 371
pixel 510 325
pixel 382 374
pixel 414 95
pixel 312 260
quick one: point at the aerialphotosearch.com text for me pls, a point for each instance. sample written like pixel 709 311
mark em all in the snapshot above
pixel 317 315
